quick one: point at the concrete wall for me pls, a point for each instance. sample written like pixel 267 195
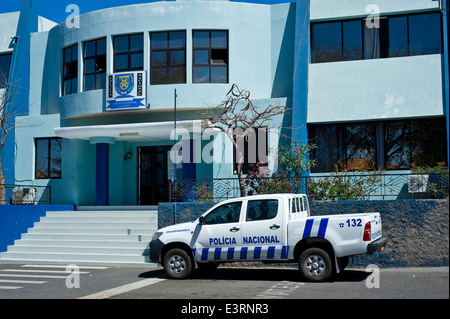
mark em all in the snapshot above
pixel 418 229
pixel 15 220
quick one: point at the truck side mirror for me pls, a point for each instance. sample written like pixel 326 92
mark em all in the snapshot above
pixel 201 220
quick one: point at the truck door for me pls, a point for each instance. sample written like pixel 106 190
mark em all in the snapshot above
pixel 220 234
pixel 263 233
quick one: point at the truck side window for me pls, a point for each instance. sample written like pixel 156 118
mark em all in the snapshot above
pixel 227 213
pixel 262 209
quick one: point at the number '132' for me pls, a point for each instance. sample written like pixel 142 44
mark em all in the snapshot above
pixel 354 222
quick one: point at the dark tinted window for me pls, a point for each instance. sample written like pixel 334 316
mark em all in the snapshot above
pixel 398 36
pixel 5 65
pixel 129 53
pixel 415 34
pixel 327 42
pixel 227 213
pixel 70 70
pixel 261 210
pixel 352 45
pixel 425 34
pixel 95 65
pixel 168 57
pixel 48 158
pixel 210 57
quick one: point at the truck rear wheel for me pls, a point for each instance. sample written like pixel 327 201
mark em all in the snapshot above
pixel 315 264
pixel 177 263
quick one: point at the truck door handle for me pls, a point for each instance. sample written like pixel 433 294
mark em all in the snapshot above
pixel 234 229
pixel 274 227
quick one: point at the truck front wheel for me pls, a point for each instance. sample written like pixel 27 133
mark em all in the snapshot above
pixel 315 264
pixel 177 264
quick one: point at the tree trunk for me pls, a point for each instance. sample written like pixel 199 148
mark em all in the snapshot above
pixel 2 186
pixel 241 179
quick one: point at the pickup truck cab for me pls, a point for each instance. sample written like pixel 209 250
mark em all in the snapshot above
pixel 270 228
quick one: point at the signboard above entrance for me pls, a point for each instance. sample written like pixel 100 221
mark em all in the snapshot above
pixel 126 91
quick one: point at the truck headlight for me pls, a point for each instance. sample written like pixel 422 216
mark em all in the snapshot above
pixel 156 235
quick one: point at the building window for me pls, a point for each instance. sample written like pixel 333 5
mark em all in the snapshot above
pixel 327 42
pixel 210 57
pixel 95 65
pixel 168 57
pixel 406 35
pixel 129 53
pixel 419 143
pixel 348 147
pixel 70 70
pixel 5 66
pixel 252 149
pixel 400 144
pixel 425 34
pixel 48 158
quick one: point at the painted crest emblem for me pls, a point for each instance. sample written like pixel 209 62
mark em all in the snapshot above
pixel 124 84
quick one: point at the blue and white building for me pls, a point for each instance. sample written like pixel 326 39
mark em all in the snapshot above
pixel 368 83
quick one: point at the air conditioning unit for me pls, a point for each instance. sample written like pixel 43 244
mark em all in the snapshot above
pixel 24 196
pixel 418 183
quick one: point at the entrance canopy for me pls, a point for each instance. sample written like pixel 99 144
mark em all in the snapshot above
pixel 136 132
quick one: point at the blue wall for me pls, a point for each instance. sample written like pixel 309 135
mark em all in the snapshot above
pixel 15 220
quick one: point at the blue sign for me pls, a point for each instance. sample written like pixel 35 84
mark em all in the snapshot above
pixel 126 91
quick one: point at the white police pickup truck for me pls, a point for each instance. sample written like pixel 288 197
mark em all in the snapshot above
pixel 270 228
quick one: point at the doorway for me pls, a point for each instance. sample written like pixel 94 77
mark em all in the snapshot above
pixel 153 184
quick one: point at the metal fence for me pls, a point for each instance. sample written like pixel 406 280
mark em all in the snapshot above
pixel 25 195
pixel 354 186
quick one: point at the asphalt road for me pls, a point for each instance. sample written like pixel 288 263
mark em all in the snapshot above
pixel 253 286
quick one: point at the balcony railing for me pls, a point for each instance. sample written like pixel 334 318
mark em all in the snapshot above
pixel 25 195
pixel 355 186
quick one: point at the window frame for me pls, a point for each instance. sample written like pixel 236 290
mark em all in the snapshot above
pixel 48 158
pixel 96 71
pixel 223 221
pixel 5 73
pixel 168 65
pixel 210 65
pixel 386 141
pixel 70 70
pixel 258 219
pixel 384 37
pixel 129 53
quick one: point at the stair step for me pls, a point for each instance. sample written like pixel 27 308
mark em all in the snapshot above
pixel 135 213
pixel 81 236
pixel 105 219
pixel 78 250
pixel 93 231
pixel 123 258
pixel 82 243
pixel 116 236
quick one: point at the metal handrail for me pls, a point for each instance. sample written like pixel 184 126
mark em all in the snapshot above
pixel 378 186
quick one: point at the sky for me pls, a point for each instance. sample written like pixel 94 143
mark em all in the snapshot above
pixel 55 10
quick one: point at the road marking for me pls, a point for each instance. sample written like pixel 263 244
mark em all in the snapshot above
pixel 9 288
pixel 42 271
pixel 33 276
pixel 5 281
pixel 123 289
pixel 62 266
pixel 279 291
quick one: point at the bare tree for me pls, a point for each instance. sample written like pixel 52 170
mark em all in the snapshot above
pixel 239 119
pixel 8 111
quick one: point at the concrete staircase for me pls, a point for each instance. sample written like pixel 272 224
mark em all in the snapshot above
pixel 108 236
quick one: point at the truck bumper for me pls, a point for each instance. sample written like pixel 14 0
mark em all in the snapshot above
pixel 155 250
pixel 377 245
